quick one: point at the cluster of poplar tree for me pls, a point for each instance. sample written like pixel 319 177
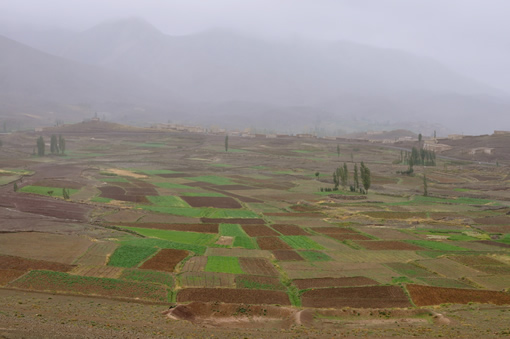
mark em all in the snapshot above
pixel 418 157
pixel 341 177
pixel 57 145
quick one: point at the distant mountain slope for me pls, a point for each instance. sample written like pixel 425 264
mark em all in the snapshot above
pixel 31 80
pixel 234 80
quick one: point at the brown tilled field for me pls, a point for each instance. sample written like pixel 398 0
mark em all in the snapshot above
pixel 259 231
pixel 303 284
pixel 225 295
pixel 388 245
pixel 289 229
pixel 428 295
pixel 165 260
pixel 258 266
pixel 218 202
pixel 287 255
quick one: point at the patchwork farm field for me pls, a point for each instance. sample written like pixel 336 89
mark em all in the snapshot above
pixel 252 226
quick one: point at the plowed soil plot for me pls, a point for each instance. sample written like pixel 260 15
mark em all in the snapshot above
pixel 249 221
pixel 45 206
pixel 493 243
pixel 235 187
pixel 258 282
pixel 165 260
pixel 199 228
pixel 118 193
pixel 333 230
pixel 303 284
pixel 217 202
pixel 428 295
pixel 173 175
pixel 388 245
pixel 97 254
pixel 257 266
pixel 348 236
pixel 499 220
pixel 259 231
pixel 44 246
pixel 284 255
pixel 195 264
pixel 362 297
pixel 289 229
pixel 22 264
pixel 225 295
pixel 8 275
pixel 59 183
pixel 272 243
pixel 207 279
pixel 293 215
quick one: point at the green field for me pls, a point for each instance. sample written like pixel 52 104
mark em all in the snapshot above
pixel 130 256
pixel 223 265
pixel 159 243
pixel 245 242
pixel 232 230
pixel 301 242
pixel 175 236
pixel 314 256
pixel 167 201
pixel 205 212
pixel 212 179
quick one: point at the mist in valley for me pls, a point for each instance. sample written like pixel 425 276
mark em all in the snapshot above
pixel 323 67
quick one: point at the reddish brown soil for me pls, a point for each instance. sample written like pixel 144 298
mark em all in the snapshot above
pixel 289 229
pixel 165 260
pixel 235 187
pixel 363 297
pixel 499 220
pixel 303 284
pixel 22 264
pixel 232 221
pixel 388 245
pixel 272 243
pixel 304 208
pixel 52 207
pixel 496 229
pixel 292 215
pixel 333 230
pixel 396 215
pixel 348 236
pixel 118 193
pixel 257 266
pixel 287 255
pixel 59 183
pixel 217 202
pixel 8 275
pixel 259 231
pixel 493 243
pixel 227 295
pixel 200 228
pixel 476 260
pixel 266 283
pixel 428 295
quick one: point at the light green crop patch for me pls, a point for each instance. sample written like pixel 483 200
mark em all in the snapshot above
pixel 175 236
pixel 223 265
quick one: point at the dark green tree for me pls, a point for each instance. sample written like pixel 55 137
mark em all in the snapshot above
pixel 419 137
pixel 61 144
pixel 226 143
pixel 54 144
pixel 317 175
pixel 338 150
pixel 65 193
pixel 425 191
pixel 356 177
pixel 40 146
pixel 15 187
pixel 365 176
pixel 345 175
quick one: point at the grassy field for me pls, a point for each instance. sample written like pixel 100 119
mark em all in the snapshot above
pixel 223 265
pixel 301 242
pixel 130 256
pixel 175 236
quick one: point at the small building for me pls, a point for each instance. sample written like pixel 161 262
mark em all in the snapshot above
pixel 455 136
pixel 477 150
pixel 437 148
pixel 501 132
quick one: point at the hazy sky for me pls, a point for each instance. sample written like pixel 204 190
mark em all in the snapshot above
pixel 471 36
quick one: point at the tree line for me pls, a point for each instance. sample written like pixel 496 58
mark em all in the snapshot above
pixel 341 177
pixel 57 145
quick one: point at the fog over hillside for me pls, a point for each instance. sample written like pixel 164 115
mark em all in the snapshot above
pixel 132 71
